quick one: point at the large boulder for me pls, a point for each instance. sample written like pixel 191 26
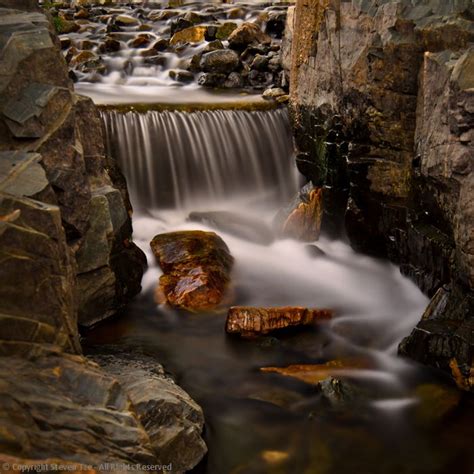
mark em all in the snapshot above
pixel 249 321
pixel 196 268
pixel 384 123
pixel 171 418
pixel 67 408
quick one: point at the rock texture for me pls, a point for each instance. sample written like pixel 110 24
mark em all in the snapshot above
pixel 172 419
pixel 249 321
pixel 196 268
pixel 382 100
pixel 67 258
pixel 40 114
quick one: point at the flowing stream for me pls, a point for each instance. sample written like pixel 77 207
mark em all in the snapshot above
pixel 392 421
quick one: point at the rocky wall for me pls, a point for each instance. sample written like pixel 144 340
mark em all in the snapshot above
pixel 382 98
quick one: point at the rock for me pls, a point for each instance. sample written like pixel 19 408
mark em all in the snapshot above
pixel 196 268
pixel 171 418
pixel 161 45
pixel 314 251
pixel 193 34
pixel 141 41
pixel 247 34
pixel 436 402
pixel 259 62
pixel 82 58
pixel 313 374
pixel 220 61
pixel 399 167
pixel 110 45
pixel 273 93
pixel 179 25
pixel 126 20
pixel 213 46
pixel 234 81
pixel 63 406
pixel 224 30
pixel 260 79
pixel 251 321
pixel 275 23
pixel 65 42
pixel 66 27
pixel 212 80
pixel 242 226
pixel 181 76
pixel 342 393
pixel 302 219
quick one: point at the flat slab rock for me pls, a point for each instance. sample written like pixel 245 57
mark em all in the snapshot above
pixel 196 268
pixel 251 321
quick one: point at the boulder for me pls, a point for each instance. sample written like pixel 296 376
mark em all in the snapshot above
pixel 220 61
pixel 126 20
pixel 224 30
pixel 171 418
pixel 181 76
pixel 247 34
pixel 212 79
pixel 65 407
pixel 250 321
pixel 196 268
pixel 301 220
pixel 239 225
pixel 273 93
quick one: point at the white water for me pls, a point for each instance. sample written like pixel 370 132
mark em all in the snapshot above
pixel 375 305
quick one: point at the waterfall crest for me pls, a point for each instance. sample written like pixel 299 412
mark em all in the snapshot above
pixel 185 159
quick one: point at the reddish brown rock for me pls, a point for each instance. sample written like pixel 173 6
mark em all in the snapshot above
pixel 250 321
pixel 315 373
pixel 302 219
pixel 196 268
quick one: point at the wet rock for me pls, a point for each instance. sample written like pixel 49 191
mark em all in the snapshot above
pixel 212 80
pixel 302 219
pixel 65 42
pixel 193 34
pixel 436 402
pixel 67 27
pixel 196 268
pixel 341 393
pixel 141 41
pixel 252 321
pixel 171 418
pixel 247 34
pixel 179 25
pixel 315 373
pixel 242 226
pixel 126 20
pixel 181 76
pixel 220 61
pixel 275 23
pixel 259 62
pixel 273 93
pixel 213 46
pixel 161 45
pixel 260 79
pixel 87 45
pixel 314 251
pixel 82 58
pixel 110 45
pixel 223 31
pixel 234 81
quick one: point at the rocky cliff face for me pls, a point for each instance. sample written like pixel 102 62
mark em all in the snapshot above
pixel 67 259
pixel 382 95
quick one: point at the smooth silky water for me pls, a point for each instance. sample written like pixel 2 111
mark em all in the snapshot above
pixel 256 422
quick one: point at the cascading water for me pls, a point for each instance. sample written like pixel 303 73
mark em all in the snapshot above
pixel 180 160
pixel 176 163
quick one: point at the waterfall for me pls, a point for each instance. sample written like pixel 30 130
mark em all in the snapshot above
pixel 184 159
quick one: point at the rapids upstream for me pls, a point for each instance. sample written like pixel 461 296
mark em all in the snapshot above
pixel 389 415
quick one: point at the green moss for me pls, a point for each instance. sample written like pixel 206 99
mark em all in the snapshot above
pixel 193 107
pixel 58 24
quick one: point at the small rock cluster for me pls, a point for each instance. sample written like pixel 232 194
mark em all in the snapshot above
pixel 217 46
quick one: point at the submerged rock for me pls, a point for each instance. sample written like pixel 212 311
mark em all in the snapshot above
pixel 242 226
pixel 302 219
pixel 251 321
pixel 196 268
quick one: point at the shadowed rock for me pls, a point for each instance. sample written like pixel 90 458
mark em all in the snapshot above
pixel 242 226
pixel 196 269
pixel 246 34
pixel 251 321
